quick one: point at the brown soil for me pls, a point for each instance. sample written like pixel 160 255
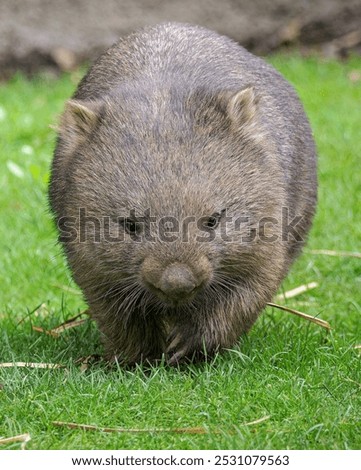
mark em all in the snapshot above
pixel 61 34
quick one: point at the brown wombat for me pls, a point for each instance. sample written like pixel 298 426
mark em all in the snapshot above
pixel 183 186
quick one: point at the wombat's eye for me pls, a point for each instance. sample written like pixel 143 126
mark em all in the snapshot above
pixel 131 226
pixel 213 221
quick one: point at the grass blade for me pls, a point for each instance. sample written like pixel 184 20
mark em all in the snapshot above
pixel 23 438
pixel 351 254
pixel 32 365
pixel 316 320
pixel 89 427
pixel 297 291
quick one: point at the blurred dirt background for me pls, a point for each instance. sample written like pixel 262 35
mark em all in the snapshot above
pixel 59 34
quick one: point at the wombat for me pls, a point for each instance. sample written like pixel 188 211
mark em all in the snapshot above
pixel 183 186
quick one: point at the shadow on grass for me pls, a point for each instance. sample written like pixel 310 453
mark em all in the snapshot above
pixel 273 341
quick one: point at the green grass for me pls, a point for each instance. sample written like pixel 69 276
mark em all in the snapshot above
pixel 307 381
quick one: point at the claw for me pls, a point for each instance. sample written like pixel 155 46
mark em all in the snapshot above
pixel 174 344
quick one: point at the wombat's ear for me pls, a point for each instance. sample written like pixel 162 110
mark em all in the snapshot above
pixel 242 106
pixel 78 121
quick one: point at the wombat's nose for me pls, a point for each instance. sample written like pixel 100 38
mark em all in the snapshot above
pixel 177 281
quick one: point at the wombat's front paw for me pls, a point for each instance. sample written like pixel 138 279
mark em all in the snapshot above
pixel 186 346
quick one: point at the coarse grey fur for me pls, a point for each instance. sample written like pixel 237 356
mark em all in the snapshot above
pixel 183 122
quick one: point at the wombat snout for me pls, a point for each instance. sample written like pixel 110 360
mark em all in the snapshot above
pixel 176 282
